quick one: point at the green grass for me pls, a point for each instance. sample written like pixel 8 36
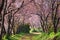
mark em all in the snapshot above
pixel 42 36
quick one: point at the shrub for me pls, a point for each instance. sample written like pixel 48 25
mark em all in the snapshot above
pixel 36 30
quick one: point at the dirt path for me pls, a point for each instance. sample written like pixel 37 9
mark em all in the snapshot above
pixel 28 36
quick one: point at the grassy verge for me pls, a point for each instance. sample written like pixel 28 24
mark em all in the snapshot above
pixel 42 36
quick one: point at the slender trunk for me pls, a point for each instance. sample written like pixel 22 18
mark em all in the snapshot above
pixel 2 5
pixel 1 8
pixel 2 28
pixel 13 30
pixel 9 24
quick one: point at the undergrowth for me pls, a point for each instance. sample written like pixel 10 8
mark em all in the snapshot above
pixel 42 36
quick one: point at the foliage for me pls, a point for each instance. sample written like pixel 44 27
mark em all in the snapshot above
pixel 42 36
pixel 35 30
pixel 23 28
